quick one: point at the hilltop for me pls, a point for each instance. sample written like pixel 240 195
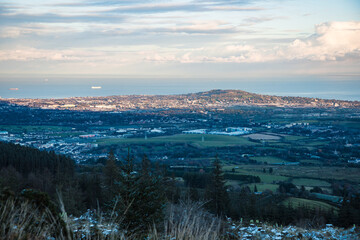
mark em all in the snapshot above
pixel 214 99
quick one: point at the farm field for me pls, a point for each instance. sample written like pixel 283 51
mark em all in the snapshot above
pixel 67 134
pixel 265 177
pixel 269 160
pixel 307 182
pixel 260 136
pixel 311 161
pixel 315 172
pixel 348 124
pixel 32 128
pixel 308 143
pixel 299 202
pixel 294 138
pixel 263 186
pixel 194 139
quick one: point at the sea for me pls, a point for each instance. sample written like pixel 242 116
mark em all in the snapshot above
pixel 64 87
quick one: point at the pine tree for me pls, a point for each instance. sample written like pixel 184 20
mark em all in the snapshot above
pixel 111 176
pixel 216 190
pixel 140 201
pixel 151 202
pixel 111 170
pixel 145 167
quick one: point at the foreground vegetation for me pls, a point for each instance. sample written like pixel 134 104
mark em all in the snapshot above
pixel 186 220
pixel 47 194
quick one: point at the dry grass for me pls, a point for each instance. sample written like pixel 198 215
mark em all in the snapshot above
pixel 189 221
pixel 23 219
pixel 26 221
pixel 184 221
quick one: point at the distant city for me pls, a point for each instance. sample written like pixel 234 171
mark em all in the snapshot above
pixel 215 99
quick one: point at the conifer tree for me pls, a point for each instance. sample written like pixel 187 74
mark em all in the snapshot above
pixel 111 175
pixel 151 202
pixel 145 167
pixel 111 170
pixel 140 200
pixel 216 192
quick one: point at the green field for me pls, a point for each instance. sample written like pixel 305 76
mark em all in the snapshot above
pixel 193 139
pixel 294 138
pixel 298 202
pixel 315 143
pixel 269 159
pixel 307 182
pixel 67 134
pixel 348 124
pixel 312 161
pixel 31 128
pixel 263 186
pixel 233 183
pixel 294 141
pixel 265 177
pixel 314 172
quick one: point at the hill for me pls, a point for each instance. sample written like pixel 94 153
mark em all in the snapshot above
pixel 214 99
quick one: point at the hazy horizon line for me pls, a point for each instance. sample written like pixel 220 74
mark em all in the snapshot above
pixel 174 94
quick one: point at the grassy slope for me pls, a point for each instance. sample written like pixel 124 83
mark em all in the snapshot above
pixel 297 202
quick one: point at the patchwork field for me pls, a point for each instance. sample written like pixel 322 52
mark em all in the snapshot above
pixel 194 139
pixel 309 172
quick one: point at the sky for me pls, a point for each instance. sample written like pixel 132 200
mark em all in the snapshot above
pixel 181 39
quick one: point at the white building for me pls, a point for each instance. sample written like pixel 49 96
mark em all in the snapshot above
pixel 196 131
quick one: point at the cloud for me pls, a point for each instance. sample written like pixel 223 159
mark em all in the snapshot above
pixel 26 54
pixel 195 27
pixel 331 41
pixel 235 8
pixel 157 8
pixel 29 54
pixel 109 31
pixel 100 3
pixel 255 20
pixel 229 2
pixel 36 29
pixel 150 8
pixel 11 19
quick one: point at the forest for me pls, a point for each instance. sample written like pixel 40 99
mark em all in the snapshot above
pixel 135 193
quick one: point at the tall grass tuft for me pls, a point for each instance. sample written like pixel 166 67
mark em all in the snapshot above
pixel 23 219
pixel 189 221
pixel 26 221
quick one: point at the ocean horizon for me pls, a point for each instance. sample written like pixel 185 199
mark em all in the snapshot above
pixel 92 87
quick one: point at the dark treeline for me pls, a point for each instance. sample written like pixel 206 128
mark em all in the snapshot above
pixel 138 190
pixel 28 168
pixel 28 160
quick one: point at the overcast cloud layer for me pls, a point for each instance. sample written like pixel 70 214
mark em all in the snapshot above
pixel 230 39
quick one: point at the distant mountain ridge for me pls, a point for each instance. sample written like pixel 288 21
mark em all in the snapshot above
pixel 213 99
